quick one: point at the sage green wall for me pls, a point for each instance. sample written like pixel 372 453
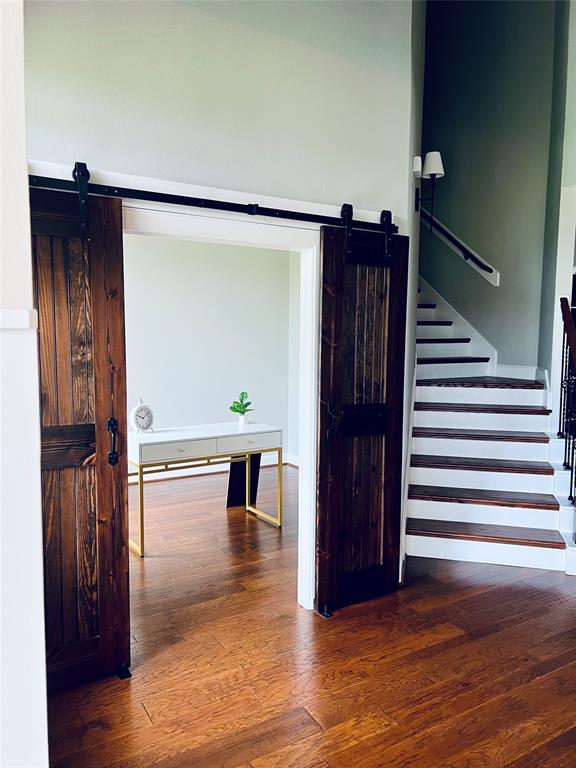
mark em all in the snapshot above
pixel 555 171
pixel 487 107
pixel 569 170
pixel 306 100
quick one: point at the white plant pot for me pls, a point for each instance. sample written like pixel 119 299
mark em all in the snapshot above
pixel 242 420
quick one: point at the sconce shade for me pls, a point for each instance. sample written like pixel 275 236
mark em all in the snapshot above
pixel 433 165
pixel 417 167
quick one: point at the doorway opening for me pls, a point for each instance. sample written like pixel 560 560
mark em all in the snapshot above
pixel 221 242
pixel 205 322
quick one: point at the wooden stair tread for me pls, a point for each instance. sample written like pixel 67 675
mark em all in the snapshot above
pixel 499 534
pixel 488 382
pixel 446 360
pixel 448 340
pixel 443 323
pixel 426 305
pixel 446 494
pixel 526 410
pixel 473 464
pixel 448 433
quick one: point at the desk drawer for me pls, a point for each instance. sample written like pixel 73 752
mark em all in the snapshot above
pixel 239 443
pixel 185 449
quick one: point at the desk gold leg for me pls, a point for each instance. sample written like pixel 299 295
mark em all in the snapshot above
pixel 139 548
pixel 279 487
pixel 247 481
pixel 277 521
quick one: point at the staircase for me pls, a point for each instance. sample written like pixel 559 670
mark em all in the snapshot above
pixel 483 486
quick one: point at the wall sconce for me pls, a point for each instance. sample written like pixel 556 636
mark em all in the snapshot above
pixel 433 169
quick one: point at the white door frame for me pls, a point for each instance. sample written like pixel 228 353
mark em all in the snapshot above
pixel 187 224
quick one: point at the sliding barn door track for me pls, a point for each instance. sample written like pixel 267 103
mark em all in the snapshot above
pixel 81 186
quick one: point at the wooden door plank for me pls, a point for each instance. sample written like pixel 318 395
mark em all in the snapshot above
pixel 329 458
pixel 87 564
pixel 52 562
pixel 81 333
pixel 107 294
pixel 46 332
pixel 60 272
pixel 67 446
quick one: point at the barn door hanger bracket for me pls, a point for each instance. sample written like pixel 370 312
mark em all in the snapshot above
pixel 347 213
pixel 81 176
pixel 389 230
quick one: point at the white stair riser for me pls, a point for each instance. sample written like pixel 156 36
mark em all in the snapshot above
pixel 443 350
pixel 434 331
pixel 495 481
pixel 484 513
pixel 449 370
pixel 484 396
pixel 484 449
pixel 466 420
pixel 486 552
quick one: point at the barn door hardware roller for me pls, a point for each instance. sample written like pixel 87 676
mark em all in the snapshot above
pixel 81 175
pixel 387 227
pixel 347 213
pixel 389 230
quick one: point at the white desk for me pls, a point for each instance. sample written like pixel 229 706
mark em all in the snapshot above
pixel 165 450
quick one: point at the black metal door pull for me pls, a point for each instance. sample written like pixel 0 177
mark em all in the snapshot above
pixel 112 427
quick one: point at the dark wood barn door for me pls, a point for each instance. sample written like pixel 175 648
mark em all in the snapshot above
pixel 361 416
pixel 80 300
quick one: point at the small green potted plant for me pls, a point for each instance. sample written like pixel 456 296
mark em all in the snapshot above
pixel 241 407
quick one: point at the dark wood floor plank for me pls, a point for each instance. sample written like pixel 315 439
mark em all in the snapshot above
pixel 229 672
pixel 558 752
pixel 497 732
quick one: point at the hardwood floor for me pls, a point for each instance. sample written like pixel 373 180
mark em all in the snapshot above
pixel 469 666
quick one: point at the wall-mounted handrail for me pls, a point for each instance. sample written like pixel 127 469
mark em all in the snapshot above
pixel 459 246
pixel 567 415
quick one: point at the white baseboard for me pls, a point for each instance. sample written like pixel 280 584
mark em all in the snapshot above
pixel 268 460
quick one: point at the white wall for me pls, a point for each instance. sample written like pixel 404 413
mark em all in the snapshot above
pixel 205 321
pixel 305 100
pixel 23 738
